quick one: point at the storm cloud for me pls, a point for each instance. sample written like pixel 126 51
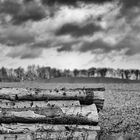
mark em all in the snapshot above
pixel 13 36
pixel 77 30
pixel 103 27
pixel 65 48
pixel 73 2
pixel 24 53
pixel 22 12
pixel 128 4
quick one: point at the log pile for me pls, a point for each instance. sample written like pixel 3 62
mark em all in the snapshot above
pixel 43 114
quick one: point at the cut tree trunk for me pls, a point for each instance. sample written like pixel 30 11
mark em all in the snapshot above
pixel 63 135
pixel 86 115
pixel 29 104
pixel 86 96
pixel 26 128
pixel 47 132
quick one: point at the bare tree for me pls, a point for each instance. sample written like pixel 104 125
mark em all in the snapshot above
pixel 76 72
pixel 127 74
pixel 91 72
pixel 102 71
pixel 19 73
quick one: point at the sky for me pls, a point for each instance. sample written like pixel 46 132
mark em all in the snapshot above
pixel 70 34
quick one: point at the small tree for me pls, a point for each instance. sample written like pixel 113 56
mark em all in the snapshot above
pixel 44 72
pixel 84 72
pixel 31 73
pixel 102 71
pixel 19 73
pixel 137 72
pixel 122 73
pixel 127 74
pixel 67 73
pixel 75 72
pixel 3 72
pixel 91 71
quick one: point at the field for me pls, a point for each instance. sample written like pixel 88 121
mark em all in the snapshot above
pixel 121 112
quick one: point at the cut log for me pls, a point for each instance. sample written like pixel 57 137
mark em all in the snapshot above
pixel 26 128
pixel 85 96
pixel 63 135
pixel 45 132
pixel 27 104
pixel 89 89
pixel 86 115
pixel 98 100
pixel 40 94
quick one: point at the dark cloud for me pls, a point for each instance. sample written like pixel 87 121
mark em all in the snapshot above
pixel 26 1
pixel 67 48
pixel 31 11
pixel 85 46
pixel 22 12
pixel 59 45
pixel 73 2
pixel 10 7
pixel 127 4
pixel 131 44
pixel 128 9
pixel 42 44
pixel 31 55
pixel 24 53
pixel 77 30
pixel 13 36
pixel 98 44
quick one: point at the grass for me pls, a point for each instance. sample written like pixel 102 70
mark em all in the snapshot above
pixel 121 112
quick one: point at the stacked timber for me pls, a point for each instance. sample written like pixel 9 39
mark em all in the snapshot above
pixel 43 114
pixel 86 96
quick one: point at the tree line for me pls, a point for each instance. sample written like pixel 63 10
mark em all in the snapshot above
pixel 33 72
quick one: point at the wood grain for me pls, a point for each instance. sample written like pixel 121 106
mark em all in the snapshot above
pixel 51 115
pixel 84 96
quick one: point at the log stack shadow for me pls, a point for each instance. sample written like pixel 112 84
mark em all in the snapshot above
pixel 45 114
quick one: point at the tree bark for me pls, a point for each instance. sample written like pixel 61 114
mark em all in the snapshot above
pixel 20 128
pixel 86 96
pixel 63 135
pixel 46 131
pixel 85 115
pixel 29 104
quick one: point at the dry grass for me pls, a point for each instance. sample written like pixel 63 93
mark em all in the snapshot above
pixel 121 113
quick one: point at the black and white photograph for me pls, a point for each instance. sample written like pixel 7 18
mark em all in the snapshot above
pixel 69 69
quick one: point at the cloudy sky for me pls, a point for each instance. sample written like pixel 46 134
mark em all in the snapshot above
pixel 70 33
